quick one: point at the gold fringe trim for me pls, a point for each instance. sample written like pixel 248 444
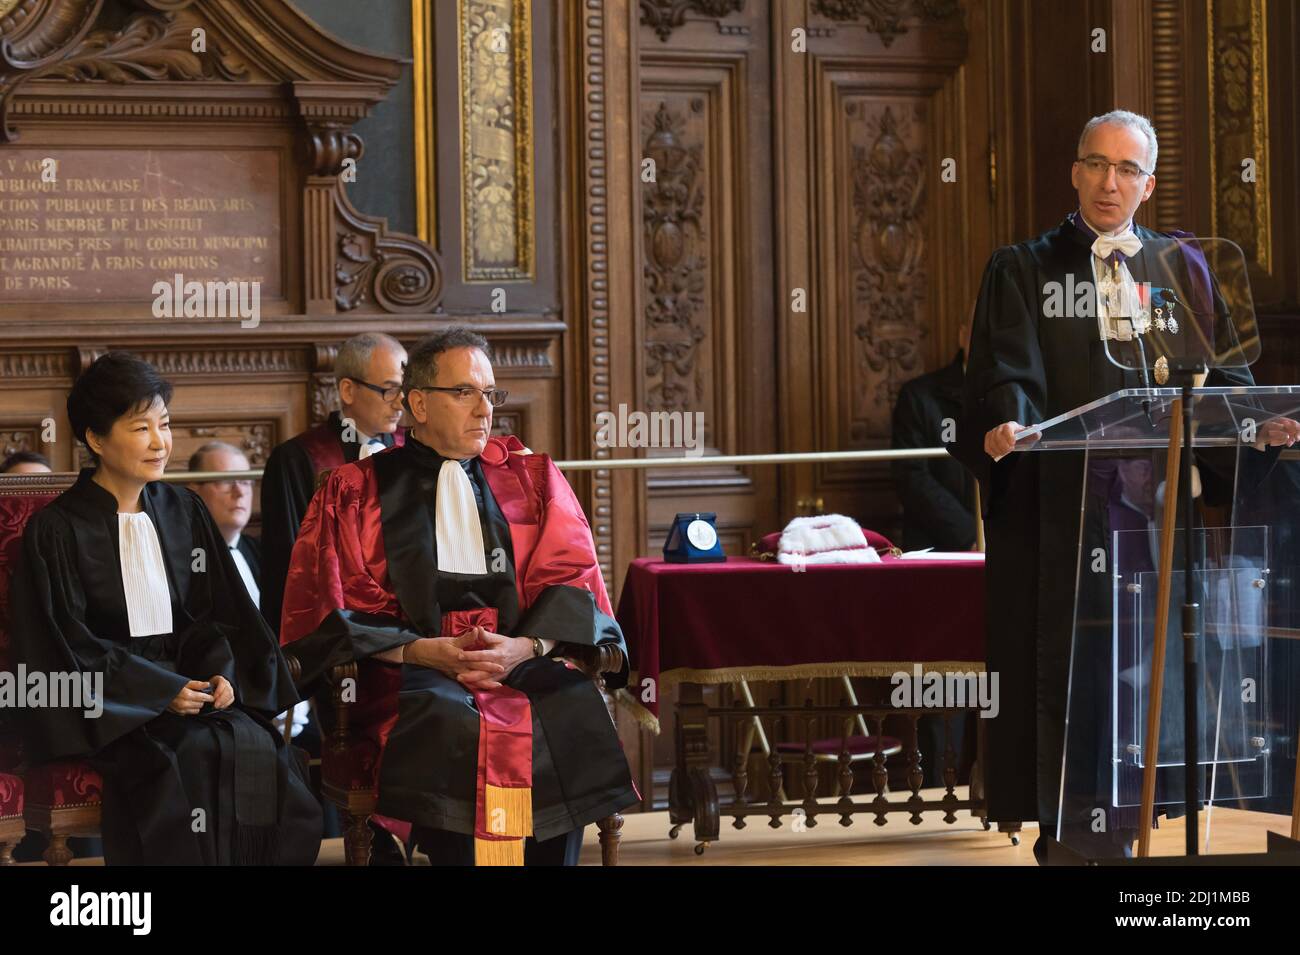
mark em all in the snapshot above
pixel 644 718
pixel 499 852
pixel 513 806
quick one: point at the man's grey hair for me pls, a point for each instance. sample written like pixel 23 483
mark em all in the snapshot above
pixel 354 354
pixel 1122 117
pixel 212 447
pixel 421 366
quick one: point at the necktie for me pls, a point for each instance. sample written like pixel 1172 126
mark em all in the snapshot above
pixel 373 446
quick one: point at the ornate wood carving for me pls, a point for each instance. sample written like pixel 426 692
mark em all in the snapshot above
pixel 886 18
pixel 13 440
pixel 147 47
pixel 664 16
pixel 593 129
pixel 285 66
pixel 49 364
pixel 396 272
pixel 255 438
pixel 675 268
pixel 886 251
pixel 1238 70
pixel 1169 107
pixel 497 139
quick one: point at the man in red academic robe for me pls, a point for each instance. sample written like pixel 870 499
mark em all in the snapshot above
pixel 368 371
pixel 458 568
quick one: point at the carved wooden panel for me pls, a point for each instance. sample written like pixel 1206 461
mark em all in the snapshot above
pixel 1238 71
pixel 705 319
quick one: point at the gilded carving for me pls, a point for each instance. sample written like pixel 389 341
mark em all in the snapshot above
pixel 1239 128
pixel 675 269
pixel 496 139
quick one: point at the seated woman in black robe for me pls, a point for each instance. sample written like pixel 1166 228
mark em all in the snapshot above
pixel 126 582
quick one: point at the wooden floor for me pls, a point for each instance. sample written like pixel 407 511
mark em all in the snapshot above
pixel 646 842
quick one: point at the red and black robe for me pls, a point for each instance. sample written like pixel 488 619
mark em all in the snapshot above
pixel 542 752
pixel 288 484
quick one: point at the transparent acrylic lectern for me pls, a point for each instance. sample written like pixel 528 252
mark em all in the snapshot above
pixel 1128 645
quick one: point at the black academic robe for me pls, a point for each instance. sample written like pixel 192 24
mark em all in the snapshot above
pixel 251 548
pixel 1028 367
pixel 288 483
pixel 226 773
pixel 938 494
pixel 365 579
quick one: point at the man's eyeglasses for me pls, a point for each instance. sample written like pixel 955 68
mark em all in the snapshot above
pixel 1099 165
pixel 467 394
pixel 387 392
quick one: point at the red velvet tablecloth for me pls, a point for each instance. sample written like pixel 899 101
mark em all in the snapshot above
pixel 760 620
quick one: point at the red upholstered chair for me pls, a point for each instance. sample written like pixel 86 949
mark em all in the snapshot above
pixel 59 799
pixel 350 748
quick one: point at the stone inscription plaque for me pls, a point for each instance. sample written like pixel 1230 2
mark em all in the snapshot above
pixel 96 225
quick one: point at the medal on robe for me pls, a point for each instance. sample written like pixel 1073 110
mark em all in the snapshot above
pixel 1162 370
pixel 1160 318
pixel 1172 323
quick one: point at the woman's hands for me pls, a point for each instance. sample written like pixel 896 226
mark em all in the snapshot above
pixel 190 700
pixel 482 669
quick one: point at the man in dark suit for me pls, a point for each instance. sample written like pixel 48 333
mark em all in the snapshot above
pixel 231 505
pixel 938 496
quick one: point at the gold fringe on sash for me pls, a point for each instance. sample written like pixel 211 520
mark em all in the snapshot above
pixel 508 812
pixel 499 852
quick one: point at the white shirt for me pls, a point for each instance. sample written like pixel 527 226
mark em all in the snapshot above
pixel 245 572
pixel 369 446
pixel 1123 293
pixel 144 576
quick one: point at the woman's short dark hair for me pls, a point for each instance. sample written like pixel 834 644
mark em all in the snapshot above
pixel 116 384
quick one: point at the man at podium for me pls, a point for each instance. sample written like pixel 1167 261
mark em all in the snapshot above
pixel 1029 363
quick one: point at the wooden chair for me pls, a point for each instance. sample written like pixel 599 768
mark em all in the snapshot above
pixel 350 753
pixel 62 798
pixel 12 826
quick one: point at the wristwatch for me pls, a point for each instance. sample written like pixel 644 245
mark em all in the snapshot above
pixel 538 649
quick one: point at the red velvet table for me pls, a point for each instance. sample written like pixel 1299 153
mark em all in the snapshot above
pixel 693 624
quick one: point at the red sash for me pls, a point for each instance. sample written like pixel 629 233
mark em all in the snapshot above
pixel 503 808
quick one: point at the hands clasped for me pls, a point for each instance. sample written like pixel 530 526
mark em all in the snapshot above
pixel 189 701
pixel 482 668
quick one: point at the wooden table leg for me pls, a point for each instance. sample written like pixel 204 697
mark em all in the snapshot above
pixel 691 793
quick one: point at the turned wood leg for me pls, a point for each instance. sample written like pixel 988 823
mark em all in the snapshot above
pixel 356 839
pixel 6 853
pixel 57 852
pixel 611 834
